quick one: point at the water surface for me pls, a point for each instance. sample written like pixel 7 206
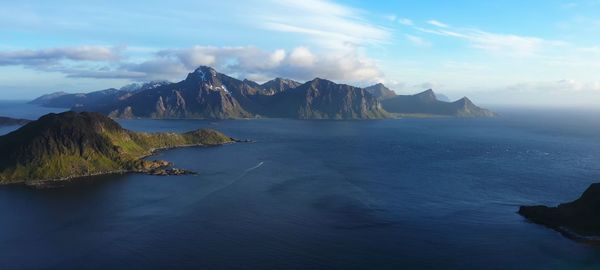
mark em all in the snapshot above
pixel 387 194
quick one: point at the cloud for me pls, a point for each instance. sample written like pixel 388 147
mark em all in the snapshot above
pixel 325 23
pixel 508 44
pixel 302 57
pixel 299 63
pixel 391 18
pixel 437 23
pixel 417 41
pixel 405 21
pixel 44 57
pixel 564 85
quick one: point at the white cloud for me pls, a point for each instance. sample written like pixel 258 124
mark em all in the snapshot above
pixel 301 63
pixel 418 41
pixel 302 57
pixel 327 24
pixel 437 23
pixel 508 44
pixel 564 85
pixel 277 57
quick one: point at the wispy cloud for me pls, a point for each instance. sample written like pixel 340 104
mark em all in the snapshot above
pixel 437 23
pixel 510 44
pixel 418 41
pixel 405 21
pixel 48 56
pixel 326 23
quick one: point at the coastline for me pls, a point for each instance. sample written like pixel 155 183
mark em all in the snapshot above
pixel 48 183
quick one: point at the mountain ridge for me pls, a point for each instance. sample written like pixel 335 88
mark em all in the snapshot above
pixel 208 94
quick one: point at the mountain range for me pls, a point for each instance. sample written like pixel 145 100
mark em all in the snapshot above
pixel 70 144
pixel 208 94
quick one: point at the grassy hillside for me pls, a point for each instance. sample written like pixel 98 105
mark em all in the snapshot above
pixel 68 145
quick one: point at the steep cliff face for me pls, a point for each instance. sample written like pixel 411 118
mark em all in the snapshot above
pixel 203 94
pixel 323 99
pixel 70 144
pixel 426 102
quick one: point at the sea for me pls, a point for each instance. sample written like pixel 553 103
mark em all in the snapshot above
pixel 431 193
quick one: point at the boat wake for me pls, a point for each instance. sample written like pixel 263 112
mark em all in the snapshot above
pixel 249 170
pixel 254 168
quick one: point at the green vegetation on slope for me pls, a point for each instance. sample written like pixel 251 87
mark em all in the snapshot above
pixel 68 145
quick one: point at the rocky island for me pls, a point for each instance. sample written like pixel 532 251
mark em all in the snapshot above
pixel 578 220
pixel 75 144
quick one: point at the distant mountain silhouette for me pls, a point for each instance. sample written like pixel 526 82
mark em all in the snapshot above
pixel 96 98
pixel 426 102
pixel 379 91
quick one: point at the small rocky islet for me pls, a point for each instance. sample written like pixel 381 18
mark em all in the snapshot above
pixel 69 145
pixel 578 220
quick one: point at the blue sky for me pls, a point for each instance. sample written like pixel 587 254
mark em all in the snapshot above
pixel 536 52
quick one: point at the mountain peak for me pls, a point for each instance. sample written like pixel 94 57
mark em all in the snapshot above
pixel 280 84
pixel 465 101
pixel 380 91
pixel 204 73
pixel 427 95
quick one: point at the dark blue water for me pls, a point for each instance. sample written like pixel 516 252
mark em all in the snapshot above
pixel 389 194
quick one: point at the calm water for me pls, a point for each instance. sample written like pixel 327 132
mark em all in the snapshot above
pixel 389 194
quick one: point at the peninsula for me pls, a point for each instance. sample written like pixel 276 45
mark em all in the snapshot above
pixel 75 144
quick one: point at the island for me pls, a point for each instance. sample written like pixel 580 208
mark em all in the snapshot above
pixel 578 220
pixel 7 121
pixel 69 145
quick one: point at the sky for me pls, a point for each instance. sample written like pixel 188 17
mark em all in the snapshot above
pixel 535 52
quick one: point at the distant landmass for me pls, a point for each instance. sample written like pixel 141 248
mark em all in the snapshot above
pixel 427 103
pixel 208 94
pixel 380 92
pixel 7 121
pixel 578 220
pixel 68 145
pixel 96 98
